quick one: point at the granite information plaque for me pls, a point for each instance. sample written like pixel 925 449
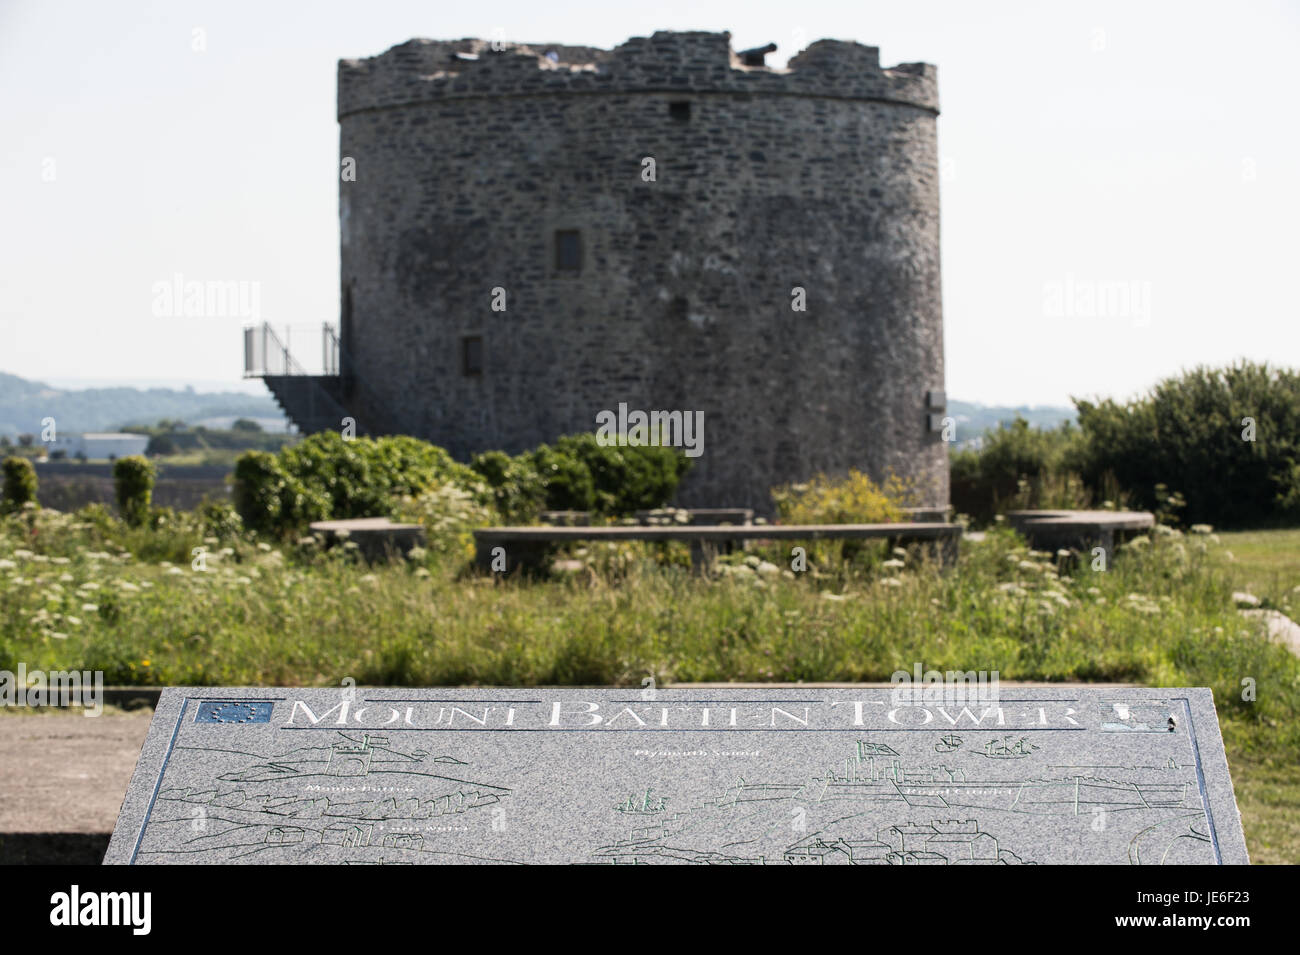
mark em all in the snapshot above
pixel 756 776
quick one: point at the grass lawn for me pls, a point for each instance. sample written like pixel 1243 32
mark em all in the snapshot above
pixel 1265 563
pixel 80 592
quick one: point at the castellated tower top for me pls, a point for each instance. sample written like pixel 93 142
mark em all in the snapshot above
pixel 431 70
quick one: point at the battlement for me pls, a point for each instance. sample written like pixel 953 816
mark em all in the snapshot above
pixel 420 71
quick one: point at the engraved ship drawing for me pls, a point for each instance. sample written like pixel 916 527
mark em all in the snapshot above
pixel 876 771
pixel 642 805
pixel 874 810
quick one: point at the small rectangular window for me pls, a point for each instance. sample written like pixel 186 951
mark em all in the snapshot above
pixel 568 250
pixel 680 110
pixel 471 355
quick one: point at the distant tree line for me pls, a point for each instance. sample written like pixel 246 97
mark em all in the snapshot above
pixel 1217 446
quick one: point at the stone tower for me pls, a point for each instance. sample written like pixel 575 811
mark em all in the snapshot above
pixel 647 216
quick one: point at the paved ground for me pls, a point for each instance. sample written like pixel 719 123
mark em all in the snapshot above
pixel 63 782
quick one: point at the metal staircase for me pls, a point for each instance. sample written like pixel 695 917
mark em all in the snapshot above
pixel 313 402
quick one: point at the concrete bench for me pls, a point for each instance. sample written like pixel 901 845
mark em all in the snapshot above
pixel 1079 530
pixel 526 546
pixel 693 515
pixel 377 538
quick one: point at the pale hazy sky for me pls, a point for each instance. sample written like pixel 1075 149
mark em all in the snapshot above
pixel 1147 153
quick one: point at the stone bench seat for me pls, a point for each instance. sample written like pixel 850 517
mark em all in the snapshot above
pixel 1049 530
pixel 377 538
pixel 526 546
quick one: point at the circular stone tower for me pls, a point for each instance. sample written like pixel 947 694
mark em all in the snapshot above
pixel 535 234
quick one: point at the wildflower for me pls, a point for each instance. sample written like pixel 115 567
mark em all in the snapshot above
pixel 893 564
pixel 89 608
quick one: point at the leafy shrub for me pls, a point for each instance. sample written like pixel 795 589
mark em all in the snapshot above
pixel 271 501
pixel 365 477
pixel 517 488
pixel 1019 467
pixel 19 484
pixel 625 479
pixel 449 515
pixel 133 478
pixel 219 519
pixel 853 499
pixel 327 476
pixel 1193 433
pixel 566 481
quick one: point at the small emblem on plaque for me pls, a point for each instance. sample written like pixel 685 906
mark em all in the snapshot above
pixel 234 711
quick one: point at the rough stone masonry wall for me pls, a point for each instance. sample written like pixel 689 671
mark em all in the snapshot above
pixel 823 176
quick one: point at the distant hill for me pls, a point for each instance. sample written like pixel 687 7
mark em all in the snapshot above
pixel 974 419
pixel 24 403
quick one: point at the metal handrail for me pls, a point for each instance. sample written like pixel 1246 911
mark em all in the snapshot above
pixel 266 354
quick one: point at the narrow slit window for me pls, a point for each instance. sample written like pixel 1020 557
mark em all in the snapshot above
pixel 680 110
pixel 568 250
pixel 471 355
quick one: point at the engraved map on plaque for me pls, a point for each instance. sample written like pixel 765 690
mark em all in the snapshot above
pixel 707 776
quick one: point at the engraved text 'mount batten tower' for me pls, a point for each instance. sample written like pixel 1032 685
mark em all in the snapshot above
pixel 522 169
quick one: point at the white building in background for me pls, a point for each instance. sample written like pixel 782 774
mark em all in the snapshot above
pixel 100 446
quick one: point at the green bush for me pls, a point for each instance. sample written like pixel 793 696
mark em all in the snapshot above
pixel 566 481
pixel 1019 467
pixel 853 499
pixel 517 488
pixel 1193 434
pixel 19 484
pixel 365 477
pixel 133 478
pixel 325 476
pixel 270 501
pixel 625 479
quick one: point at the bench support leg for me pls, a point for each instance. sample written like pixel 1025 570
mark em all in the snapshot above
pixel 702 555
